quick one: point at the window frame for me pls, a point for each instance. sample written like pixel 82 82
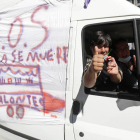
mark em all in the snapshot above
pixel 119 94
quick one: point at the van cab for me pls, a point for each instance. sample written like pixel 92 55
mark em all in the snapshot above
pixel 102 115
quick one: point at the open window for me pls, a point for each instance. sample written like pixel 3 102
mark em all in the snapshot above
pixel 130 30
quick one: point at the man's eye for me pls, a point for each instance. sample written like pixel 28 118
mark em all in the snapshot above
pixel 119 49
pixel 126 47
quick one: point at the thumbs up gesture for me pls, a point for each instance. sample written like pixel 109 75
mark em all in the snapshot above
pixel 97 61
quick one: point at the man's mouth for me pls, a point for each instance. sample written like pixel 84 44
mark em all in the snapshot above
pixel 104 54
pixel 125 56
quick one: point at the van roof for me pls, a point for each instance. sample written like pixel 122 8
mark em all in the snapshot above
pixel 103 9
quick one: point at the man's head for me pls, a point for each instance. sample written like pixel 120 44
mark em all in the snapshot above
pixel 102 41
pixel 121 48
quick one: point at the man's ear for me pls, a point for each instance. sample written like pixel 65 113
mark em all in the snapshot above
pixel 90 48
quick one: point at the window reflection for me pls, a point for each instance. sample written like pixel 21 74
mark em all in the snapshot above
pixel 133 1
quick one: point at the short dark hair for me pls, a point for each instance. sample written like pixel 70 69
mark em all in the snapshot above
pixel 100 37
pixel 117 41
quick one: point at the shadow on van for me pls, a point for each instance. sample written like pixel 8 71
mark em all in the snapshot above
pixel 78 104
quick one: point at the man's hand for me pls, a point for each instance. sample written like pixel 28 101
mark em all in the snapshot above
pixel 112 69
pixel 97 64
pixel 97 61
pixel 112 66
pixel 134 58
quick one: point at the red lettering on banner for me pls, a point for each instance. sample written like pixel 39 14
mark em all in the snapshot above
pixel 59 54
pixel 33 56
pixel 4 58
pixel 19 35
pixel 40 23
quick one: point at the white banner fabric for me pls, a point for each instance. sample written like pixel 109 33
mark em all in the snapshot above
pixel 33 57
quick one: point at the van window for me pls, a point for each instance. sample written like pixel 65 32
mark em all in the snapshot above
pixel 116 30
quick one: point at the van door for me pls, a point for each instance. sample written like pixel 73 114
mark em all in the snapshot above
pixel 103 115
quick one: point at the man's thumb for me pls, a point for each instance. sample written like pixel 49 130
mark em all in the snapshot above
pixel 134 58
pixel 113 60
pixel 96 50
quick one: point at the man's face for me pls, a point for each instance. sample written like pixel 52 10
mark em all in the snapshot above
pixel 102 49
pixel 122 50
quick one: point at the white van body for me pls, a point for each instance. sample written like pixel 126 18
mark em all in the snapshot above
pixel 100 118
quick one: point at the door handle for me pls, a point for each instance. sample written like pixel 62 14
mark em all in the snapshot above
pixel 76 107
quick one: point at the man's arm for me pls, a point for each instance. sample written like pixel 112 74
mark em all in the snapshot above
pixel 116 78
pixel 115 74
pixel 90 75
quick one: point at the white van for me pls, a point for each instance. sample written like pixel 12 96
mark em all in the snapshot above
pixel 88 114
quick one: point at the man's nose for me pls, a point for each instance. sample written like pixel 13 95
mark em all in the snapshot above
pixel 123 51
pixel 103 49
